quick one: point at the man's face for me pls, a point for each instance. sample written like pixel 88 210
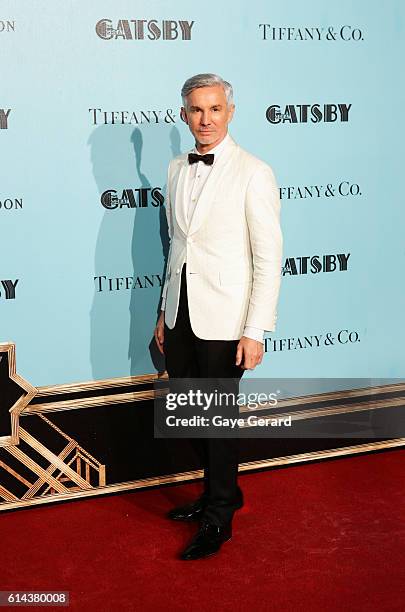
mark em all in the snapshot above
pixel 207 115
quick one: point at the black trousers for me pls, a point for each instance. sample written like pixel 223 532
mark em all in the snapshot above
pixel 188 356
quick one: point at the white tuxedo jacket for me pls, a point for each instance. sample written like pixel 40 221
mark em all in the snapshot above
pixel 232 245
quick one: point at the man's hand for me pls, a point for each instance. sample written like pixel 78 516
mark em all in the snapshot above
pixel 159 332
pixel 249 353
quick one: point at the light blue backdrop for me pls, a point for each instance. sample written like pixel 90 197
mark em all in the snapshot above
pixel 54 68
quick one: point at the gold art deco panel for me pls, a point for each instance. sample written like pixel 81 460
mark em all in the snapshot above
pixel 36 469
pixel 41 463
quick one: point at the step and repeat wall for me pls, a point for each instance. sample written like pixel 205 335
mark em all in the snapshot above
pixel 89 119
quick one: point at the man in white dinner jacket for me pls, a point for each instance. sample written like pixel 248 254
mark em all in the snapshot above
pixel 222 282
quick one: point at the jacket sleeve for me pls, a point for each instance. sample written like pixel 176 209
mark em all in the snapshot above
pixel 170 234
pixel 263 219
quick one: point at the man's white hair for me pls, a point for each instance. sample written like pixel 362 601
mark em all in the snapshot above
pixel 206 80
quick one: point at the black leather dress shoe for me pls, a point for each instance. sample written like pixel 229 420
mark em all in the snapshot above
pixel 195 510
pixel 189 512
pixel 207 541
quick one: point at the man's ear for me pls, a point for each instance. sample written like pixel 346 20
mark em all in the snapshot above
pixel 183 115
pixel 231 112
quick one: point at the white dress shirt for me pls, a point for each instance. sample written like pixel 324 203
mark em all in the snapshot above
pixel 196 175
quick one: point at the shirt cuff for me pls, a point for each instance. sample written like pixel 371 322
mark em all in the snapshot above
pixel 254 333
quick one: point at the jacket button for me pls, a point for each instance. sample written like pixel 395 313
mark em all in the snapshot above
pixel 178 271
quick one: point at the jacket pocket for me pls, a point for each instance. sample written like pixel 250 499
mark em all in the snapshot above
pixel 234 276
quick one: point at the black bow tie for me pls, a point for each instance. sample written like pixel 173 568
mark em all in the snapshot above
pixel 208 158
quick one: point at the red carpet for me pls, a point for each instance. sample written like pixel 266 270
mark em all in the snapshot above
pixel 328 536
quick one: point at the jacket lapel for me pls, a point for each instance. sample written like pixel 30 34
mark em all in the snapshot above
pixel 180 197
pixel 207 195
pixel 210 187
